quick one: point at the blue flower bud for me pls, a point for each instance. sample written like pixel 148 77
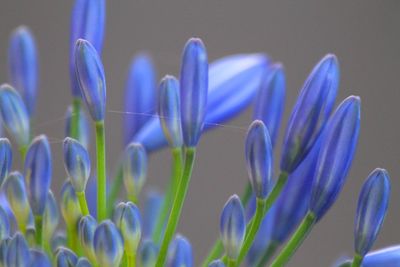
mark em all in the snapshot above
pixel 193 90
pixel 371 210
pixel 134 168
pixel 83 262
pixel 338 147
pixel 91 78
pixel 312 110
pixel 233 84
pixel 140 95
pixel 87 22
pixel 5 158
pixel 65 257
pixel 70 208
pixel 217 263
pixel 39 259
pixel 5 227
pixel 233 226
pixel 151 211
pixel 77 163
pixel 14 115
pixel 180 253
pixel 51 217
pixel 127 218
pixel 270 100
pixel 148 253
pixel 23 65
pixel 18 252
pixel 59 240
pixel 17 198
pixel 87 226
pixel 384 257
pixel 4 243
pixel 169 110
pixel 108 244
pixel 37 172
pixel 258 152
pixel 84 130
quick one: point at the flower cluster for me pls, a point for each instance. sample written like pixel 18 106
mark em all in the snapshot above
pixel 265 225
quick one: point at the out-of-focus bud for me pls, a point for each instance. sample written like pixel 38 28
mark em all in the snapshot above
pixel 338 147
pixel 65 257
pixel 87 226
pixel 270 100
pixel 84 130
pixel 70 208
pixel 180 253
pixel 233 226
pixel 77 163
pixel 14 115
pixel 108 244
pixel 311 112
pixel 91 78
pixel 217 263
pixel 39 259
pixel 18 252
pixel 258 152
pixel 51 217
pixel 139 98
pixel 83 262
pixel 4 243
pixel 134 169
pixel 5 158
pixel 148 253
pixel 37 172
pixel 4 224
pixel 151 211
pixel 23 65
pixel 59 240
pixel 371 210
pixel 193 90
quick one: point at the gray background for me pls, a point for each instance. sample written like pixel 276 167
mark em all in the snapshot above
pixel 363 34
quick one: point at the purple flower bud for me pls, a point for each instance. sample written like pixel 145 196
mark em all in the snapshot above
pixel 51 217
pixel 5 158
pixel 87 227
pixel 70 208
pixel 180 253
pixel 217 263
pixel 134 169
pixel 18 252
pixel 39 259
pixel 65 257
pixel 148 253
pixel 108 244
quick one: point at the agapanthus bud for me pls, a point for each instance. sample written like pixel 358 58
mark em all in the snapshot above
pixel 148 253
pixel 17 197
pixel 233 226
pixel 338 147
pixel 77 163
pixel 51 217
pixel 87 226
pixel 4 243
pixel 23 65
pixel 108 244
pixel 70 208
pixel 65 257
pixel 193 90
pixel 39 259
pixel 258 152
pixel 84 130
pixel 127 218
pixel 169 108
pixel 4 224
pixel 14 114
pixel 18 252
pixel 371 210
pixel 91 78
pixel 140 95
pixel 270 100
pixel 311 112
pixel 37 172
pixel 87 22
pixel 5 158
pixel 83 262
pixel 180 253
pixel 217 263
pixel 384 257
pixel 152 207
pixel 59 240
pixel 134 168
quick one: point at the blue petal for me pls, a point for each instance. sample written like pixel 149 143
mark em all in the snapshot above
pixel 180 253
pixel 5 158
pixel 108 244
pixel 39 259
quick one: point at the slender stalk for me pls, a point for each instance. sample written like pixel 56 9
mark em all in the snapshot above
pixel 76 109
pixel 177 205
pixel 231 263
pixel 22 151
pixel 276 191
pixel 82 203
pixel 131 260
pixel 115 189
pixel 39 230
pixel 295 241
pixel 101 171
pixel 251 235
pixel 357 260
pixel 269 252
pixel 169 196
pixel 72 238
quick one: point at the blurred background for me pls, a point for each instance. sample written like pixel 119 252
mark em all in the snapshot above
pixel 363 34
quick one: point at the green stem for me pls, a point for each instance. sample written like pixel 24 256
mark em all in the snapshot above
pixel 255 225
pixel 177 205
pixel 295 241
pixel 231 263
pixel 131 260
pixel 357 260
pixel 82 203
pixel 76 109
pixel 168 200
pixel 22 151
pixel 218 247
pixel 39 232
pixel 101 171
pixel 114 192
pixel 269 252
pixel 280 183
pixel 72 239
